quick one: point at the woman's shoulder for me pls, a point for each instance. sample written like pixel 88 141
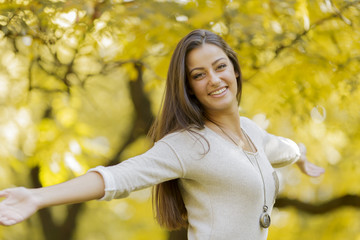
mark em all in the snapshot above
pixel 245 120
pixel 184 137
pixel 247 123
pixel 251 127
pixel 183 134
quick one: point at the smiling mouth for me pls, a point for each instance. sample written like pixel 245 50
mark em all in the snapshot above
pixel 217 92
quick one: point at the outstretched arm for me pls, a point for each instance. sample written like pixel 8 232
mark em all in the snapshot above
pixel 307 167
pixel 20 203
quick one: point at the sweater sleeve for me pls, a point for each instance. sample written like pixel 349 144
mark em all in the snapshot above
pixel 159 164
pixel 279 150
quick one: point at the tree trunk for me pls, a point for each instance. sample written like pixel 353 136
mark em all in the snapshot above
pixel 178 235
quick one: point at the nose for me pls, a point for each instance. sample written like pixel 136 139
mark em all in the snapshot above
pixel 213 78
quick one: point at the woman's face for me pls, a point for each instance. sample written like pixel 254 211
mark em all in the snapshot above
pixel 212 78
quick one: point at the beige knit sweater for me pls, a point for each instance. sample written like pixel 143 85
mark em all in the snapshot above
pixel 222 189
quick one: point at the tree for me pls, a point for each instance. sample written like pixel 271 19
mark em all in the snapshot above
pixel 81 81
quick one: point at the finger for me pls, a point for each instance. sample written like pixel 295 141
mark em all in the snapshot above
pixel 316 168
pixel 315 171
pixel 320 171
pixel 7 222
pixel 3 193
pixel 3 220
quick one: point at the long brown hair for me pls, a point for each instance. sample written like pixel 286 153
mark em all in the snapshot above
pixel 181 110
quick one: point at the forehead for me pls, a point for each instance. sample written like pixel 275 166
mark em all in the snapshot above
pixel 203 55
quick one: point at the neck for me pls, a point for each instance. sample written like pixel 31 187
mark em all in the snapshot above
pixel 228 126
pixel 227 121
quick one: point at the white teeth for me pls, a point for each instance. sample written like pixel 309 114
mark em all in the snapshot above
pixel 218 91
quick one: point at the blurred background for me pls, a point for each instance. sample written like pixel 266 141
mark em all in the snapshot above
pixel 81 82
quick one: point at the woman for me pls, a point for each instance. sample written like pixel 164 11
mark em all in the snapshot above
pixel 213 170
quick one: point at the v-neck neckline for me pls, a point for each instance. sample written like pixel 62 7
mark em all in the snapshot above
pixel 233 144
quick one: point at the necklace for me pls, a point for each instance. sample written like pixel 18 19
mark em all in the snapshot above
pixel 228 136
pixel 265 219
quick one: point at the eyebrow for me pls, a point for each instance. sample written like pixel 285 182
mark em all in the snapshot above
pixel 215 62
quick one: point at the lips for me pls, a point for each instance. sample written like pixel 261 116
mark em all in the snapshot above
pixel 218 91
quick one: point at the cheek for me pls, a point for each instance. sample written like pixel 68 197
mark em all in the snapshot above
pixel 197 89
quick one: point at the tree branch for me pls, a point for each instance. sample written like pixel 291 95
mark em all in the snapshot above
pixel 47 222
pixel 337 13
pixel 299 36
pixel 331 205
pixel 51 230
pixel 142 107
pixel 283 202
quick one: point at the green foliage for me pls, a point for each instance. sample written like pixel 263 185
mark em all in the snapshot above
pixel 66 104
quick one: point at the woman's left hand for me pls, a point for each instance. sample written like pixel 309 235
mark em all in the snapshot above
pixel 307 167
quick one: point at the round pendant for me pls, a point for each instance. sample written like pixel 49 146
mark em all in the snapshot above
pixel 265 220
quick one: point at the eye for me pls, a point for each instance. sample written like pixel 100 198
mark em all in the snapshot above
pixel 221 66
pixel 198 75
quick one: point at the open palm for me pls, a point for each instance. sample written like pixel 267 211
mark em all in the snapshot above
pixel 307 167
pixel 18 205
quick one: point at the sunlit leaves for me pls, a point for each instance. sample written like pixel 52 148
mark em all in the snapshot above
pixel 65 69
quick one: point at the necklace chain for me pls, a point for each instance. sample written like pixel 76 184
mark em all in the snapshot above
pixel 264 218
pixel 257 163
pixel 253 150
pixel 227 135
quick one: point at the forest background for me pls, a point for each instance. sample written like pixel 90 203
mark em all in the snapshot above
pixel 81 82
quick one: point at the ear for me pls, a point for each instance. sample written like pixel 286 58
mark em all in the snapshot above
pixel 237 74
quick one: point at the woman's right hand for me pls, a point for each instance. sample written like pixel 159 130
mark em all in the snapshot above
pixel 19 204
